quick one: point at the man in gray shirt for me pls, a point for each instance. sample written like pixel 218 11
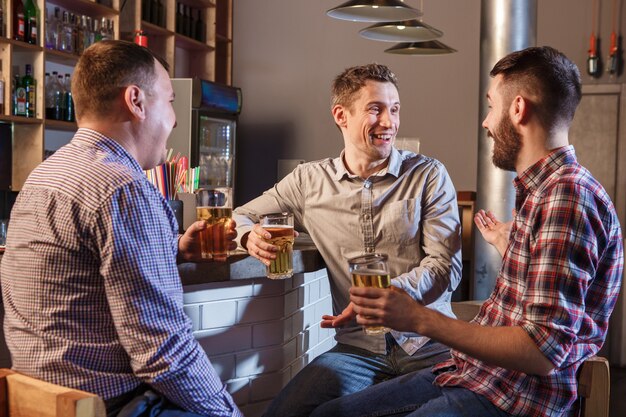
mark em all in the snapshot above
pixel 373 198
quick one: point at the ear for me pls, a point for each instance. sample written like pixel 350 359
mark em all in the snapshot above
pixel 520 110
pixel 134 99
pixel 339 114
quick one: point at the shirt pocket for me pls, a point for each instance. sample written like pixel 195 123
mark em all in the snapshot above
pixel 401 221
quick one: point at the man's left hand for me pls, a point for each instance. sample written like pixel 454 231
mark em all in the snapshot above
pixel 189 247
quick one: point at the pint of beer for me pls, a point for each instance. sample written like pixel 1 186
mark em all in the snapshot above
pixel 280 226
pixel 215 208
pixel 370 271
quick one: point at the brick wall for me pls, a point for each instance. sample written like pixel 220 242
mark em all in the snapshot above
pixel 259 333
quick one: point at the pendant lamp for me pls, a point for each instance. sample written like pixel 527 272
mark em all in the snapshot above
pixel 404 31
pixel 420 48
pixel 374 11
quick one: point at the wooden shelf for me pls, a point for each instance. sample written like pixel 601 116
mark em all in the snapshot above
pixel 60 57
pixel 21 120
pixel 87 7
pixel 189 43
pixel 60 125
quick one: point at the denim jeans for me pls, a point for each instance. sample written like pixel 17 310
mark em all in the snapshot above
pixel 146 403
pixel 412 395
pixel 347 369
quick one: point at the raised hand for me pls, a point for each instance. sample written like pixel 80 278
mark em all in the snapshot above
pixel 493 231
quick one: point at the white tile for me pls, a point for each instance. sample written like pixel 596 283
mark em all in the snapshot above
pixel 259 309
pixel 216 291
pixel 314 291
pixel 265 360
pixel 266 387
pixel 268 333
pixel 239 389
pixel 225 366
pixel 291 302
pixel 193 312
pixel 265 286
pixel 218 314
pixel 225 340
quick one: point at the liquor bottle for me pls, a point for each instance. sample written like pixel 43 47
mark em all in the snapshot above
pixel 54 98
pixel 67 44
pixel 58 29
pixel 104 29
pixel 1 17
pixel 30 88
pixel 1 91
pixel 179 18
pixel 19 97
pixel 145 10
pixel 68 100
pixel 31 20
pixel 199 29
pixel 50 36
pixel 154 12
pixel 19 24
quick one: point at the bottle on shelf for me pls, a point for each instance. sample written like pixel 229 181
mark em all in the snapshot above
pixel 199 29
pixel 154 12
pixel 67 44
pixel 145 10
pixel 54 98
pixel 30 88
pixel 140 38
pixel 2 31
pixel 19 24
pixel 15 82
pixel 68 100
pixel 1 91
pixel 50 35
pixel 31 20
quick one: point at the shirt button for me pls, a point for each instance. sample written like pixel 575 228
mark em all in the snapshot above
pixel 367 217
pixel 367 184
pixel 370 250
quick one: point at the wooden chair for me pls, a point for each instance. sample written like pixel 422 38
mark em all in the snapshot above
pixel 594 379
pixel 23 396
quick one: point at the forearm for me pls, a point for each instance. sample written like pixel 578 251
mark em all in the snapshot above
pixel 506 347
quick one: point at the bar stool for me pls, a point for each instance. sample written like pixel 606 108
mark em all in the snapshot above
pixel 23 396
pixel 594 379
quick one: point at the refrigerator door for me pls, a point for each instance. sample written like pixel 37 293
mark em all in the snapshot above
pixel 215 150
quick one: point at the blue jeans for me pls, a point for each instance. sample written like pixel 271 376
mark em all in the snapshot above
pixel 411 395
pixel 146 403
pixel 344 370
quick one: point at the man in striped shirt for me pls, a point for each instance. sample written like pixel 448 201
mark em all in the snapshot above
pixel 559 280
pixel 91 291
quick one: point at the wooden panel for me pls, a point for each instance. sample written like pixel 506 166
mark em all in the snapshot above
pixel 27 151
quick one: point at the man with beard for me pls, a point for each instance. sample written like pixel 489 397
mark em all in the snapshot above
pixel 372 198
pixel 559 280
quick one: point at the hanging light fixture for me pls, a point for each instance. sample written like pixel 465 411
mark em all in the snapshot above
pixel 404 31
pixel 374 11
pixel 420 48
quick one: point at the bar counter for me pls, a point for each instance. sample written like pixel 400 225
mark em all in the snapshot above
pixel 257 332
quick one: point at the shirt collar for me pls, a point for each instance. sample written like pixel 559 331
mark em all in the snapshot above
pixel 536 174
pixel 393 168
pixel 96 139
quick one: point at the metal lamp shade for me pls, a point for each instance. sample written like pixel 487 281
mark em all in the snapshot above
pixel 404 31
pixel 420 48
pixel 374 11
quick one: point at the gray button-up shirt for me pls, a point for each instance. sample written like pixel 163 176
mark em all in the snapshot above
pixel 408 211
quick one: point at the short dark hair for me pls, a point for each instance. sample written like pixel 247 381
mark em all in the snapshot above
pixel 547 74
pixel 106 67
pixel 347 84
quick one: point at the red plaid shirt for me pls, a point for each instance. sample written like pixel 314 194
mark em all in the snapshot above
pixel 559 281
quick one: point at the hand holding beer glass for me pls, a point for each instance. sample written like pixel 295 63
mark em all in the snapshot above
pixel 370 271
pixel 280 226
pixel 215 208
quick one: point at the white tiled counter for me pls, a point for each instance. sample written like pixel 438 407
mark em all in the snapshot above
pixel 257 332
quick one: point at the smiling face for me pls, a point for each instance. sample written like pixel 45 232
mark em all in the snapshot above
pixel 160 117
pixel 369 124
pixel 507 142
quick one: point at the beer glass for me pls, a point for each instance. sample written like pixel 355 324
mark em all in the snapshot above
pixel 215 207
pixel 280 225
pixel 370 271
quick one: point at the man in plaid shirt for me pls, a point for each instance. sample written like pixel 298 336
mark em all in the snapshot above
pixel 559 280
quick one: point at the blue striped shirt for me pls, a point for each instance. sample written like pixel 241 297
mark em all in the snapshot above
pixel 91 290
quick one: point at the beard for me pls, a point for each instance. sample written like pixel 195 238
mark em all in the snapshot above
pixel 507 143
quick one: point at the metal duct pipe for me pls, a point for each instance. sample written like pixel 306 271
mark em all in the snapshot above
pixel 505 26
